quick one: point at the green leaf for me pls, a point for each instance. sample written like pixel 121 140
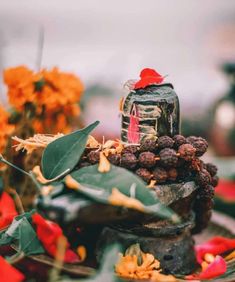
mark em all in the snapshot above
pixel 23 235
pixel 98 186
pixel 28 240
pixel 38 85
pixel 64 153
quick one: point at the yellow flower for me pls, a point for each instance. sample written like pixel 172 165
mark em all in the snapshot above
pixel 139 265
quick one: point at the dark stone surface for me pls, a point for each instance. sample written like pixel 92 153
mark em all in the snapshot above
pixel 175 252
pixel 66 206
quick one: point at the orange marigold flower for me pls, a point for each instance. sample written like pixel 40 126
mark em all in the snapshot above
pixel 20 82
pixel 72 110
pixel 60 89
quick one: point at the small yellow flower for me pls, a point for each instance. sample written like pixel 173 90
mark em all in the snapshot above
pixel 104 164
pixel 230 256
pixel 138 265
pixel 71 182
pixel 81 251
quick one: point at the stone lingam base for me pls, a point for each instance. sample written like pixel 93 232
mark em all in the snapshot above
pixel 172 245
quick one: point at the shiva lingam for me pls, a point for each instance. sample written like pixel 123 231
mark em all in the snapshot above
pixel 150 126
pixel 152 148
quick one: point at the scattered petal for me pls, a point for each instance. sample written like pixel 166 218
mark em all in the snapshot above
pixel 230 256
pixel 152 184
pixel 48 233
pixel 214 269
pixel 119 199
pixel 7 210
pixel 71 183
pixel 104 164
pixel 215 246
pixel 81 251
pixel 92 142
pixel 9 273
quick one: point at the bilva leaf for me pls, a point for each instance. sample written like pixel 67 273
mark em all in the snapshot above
pixel 99 186
pixel 64 153
pixel 21 233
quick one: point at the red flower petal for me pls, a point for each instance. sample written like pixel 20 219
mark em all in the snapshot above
pixel 7 210
pixel 148 77
pixel 226 190
pixel 8 273
pixel 215 269
pixel 149 72
pixel 215 246
pixel 71 257
pixel 48 233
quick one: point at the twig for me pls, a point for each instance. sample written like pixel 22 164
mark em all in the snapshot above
pixel 59 258
pixel 17 199
pixel 16 258
pixel 29 174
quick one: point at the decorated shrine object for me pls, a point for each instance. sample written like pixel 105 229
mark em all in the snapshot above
pixel 165 160
pixel 151 188
pixel 151 109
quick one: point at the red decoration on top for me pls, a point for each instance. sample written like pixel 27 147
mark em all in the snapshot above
pixel 7 210
pixel 148 77
pixel 48 233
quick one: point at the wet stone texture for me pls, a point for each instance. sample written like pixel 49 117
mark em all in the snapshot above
pixel 175 252
pixel 178 196
pixel 172 244
pixel 157 109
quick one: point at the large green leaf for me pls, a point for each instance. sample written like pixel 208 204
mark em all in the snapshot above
pixel 98 186
pixel 64 153
pixel 21 233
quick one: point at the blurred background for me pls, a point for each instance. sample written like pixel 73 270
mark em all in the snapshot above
pixel 108 42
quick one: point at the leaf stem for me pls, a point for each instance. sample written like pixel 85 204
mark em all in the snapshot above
pixel 16 258
pixel 17 199
pixel 14 166
pixel 29 174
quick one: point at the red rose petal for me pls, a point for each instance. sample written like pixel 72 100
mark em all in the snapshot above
pixel 8 273
pixel 7 210
pixel 49 233
pixel 71 257
pixel 214 269
pixel 226 190
pixel 215 246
